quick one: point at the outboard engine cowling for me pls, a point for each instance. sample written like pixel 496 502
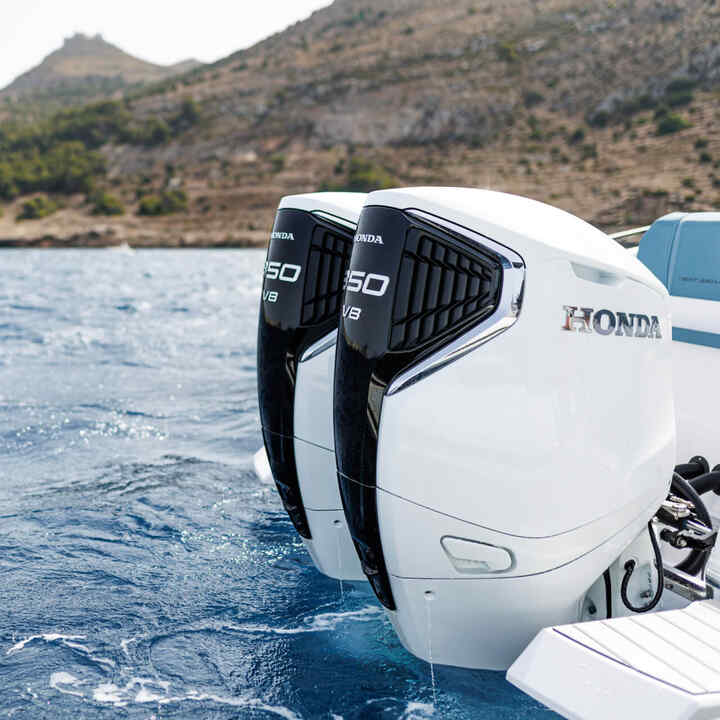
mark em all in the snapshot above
pixel 307 258
pixel 504 422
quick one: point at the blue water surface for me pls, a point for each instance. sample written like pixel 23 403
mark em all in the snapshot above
pixel 144 571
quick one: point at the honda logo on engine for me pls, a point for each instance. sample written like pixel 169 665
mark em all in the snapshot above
pixel 608 322
pixel 369 238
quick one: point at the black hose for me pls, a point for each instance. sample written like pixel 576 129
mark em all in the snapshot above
pixel 695 467
pixel 696 559
pixel 608 594
pixel 707 482
pixel 694 562
pixel 689 470
pixel 630 567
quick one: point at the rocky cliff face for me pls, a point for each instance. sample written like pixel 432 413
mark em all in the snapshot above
pixel 414 71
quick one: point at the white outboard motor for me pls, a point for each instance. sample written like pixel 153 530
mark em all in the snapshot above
pixel 504 424
pixel 307 258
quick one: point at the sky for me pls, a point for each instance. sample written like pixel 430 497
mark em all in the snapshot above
pixel 160 31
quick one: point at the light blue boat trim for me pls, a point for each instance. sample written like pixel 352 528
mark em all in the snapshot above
pixel 696 337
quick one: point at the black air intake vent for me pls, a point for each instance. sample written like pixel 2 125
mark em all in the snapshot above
pixel 439 285
pixel 302 293
pixel 439 288
pixel 327 260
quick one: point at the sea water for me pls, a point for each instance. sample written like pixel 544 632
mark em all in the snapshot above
pixel 144 571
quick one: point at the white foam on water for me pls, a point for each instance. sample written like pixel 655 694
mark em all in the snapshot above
pixel 48 637
pixel 316 623
pixel 147 690
pixel 109 693
pixel 145 696
pixel 87 651
pixel 68 641
pixel 60 679
pixel 418 711
pixel 137 689
pixel 279 710
pixel 124 646
pixel 413 710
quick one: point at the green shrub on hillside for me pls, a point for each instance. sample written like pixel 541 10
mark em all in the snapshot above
pixel 599 119
pixel 154 131
pixel 679 92
pixel 507 52
pixel 92 125
pixel 669 123
pixel 105 203
pixel 277 162
pixel 163 203
pixel 576 137
pixel 36 208
pixel 531 98
pixel 60 154
pixel 588 151
pixel 364 176
pixel 67 167
pixel 188 115
pixel 8 186
pixel 638 104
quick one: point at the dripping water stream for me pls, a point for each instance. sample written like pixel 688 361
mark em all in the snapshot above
pixel 429 597
pixel 338 527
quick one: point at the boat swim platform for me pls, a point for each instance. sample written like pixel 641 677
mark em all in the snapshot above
pixel 663 665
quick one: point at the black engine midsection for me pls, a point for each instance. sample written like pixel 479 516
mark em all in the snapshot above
pixel 301 296
pixel 405 298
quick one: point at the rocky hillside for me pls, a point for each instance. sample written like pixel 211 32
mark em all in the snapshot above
pixel 85 67
pixel 608 109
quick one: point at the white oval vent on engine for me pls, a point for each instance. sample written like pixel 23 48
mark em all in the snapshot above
pixel 476 558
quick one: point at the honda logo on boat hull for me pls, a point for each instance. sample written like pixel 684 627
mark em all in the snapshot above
pixel 608 322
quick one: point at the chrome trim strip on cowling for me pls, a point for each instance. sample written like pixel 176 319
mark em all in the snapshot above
pixel 320 346
pixel 335 219
pixel 504 317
